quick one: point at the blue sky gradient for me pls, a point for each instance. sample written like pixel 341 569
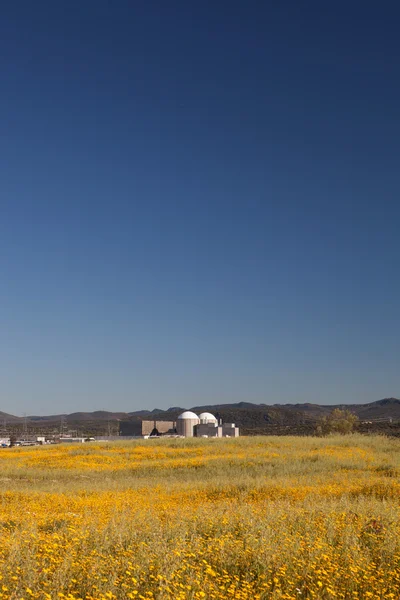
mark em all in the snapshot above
pixel 199 204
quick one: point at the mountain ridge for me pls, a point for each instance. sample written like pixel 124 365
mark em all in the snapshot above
pixel 378 406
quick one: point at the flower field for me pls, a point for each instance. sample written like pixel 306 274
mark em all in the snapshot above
pixel 239 518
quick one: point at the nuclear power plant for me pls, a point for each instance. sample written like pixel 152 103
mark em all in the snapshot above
pixel 188 424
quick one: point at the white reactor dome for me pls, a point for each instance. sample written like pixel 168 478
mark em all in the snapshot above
pixel 207 417
pixel 188 414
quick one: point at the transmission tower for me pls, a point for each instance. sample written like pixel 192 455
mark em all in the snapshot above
pixel 25 427
pixel 63 425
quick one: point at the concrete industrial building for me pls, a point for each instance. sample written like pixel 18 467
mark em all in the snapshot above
pixel 146 427
pixel 209 427
pixel 188 424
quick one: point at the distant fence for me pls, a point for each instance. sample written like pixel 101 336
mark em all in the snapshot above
pixel 378 420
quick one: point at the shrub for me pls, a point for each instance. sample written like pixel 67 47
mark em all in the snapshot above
pixel 338 421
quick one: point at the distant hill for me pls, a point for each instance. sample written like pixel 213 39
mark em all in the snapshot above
pixel 251 418
pixel 387 407
pixel 282 418
pixel 10 418
pixel 146 413
pixel 97 415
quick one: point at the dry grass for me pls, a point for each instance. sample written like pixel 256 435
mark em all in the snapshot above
pixel 246 518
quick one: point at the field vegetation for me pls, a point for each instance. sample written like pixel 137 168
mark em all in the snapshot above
pixel 247 518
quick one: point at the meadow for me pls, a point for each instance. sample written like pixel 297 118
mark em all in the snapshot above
pixel 246 518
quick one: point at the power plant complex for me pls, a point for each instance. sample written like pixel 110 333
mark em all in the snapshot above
pixel 188 424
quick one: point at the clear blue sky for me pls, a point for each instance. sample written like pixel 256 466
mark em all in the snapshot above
pixel 200 203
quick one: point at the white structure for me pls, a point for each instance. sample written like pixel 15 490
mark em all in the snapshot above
pixel 228 430
pixel 186 422
pixel 207 418
pixel 189 424
pixel 208 426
